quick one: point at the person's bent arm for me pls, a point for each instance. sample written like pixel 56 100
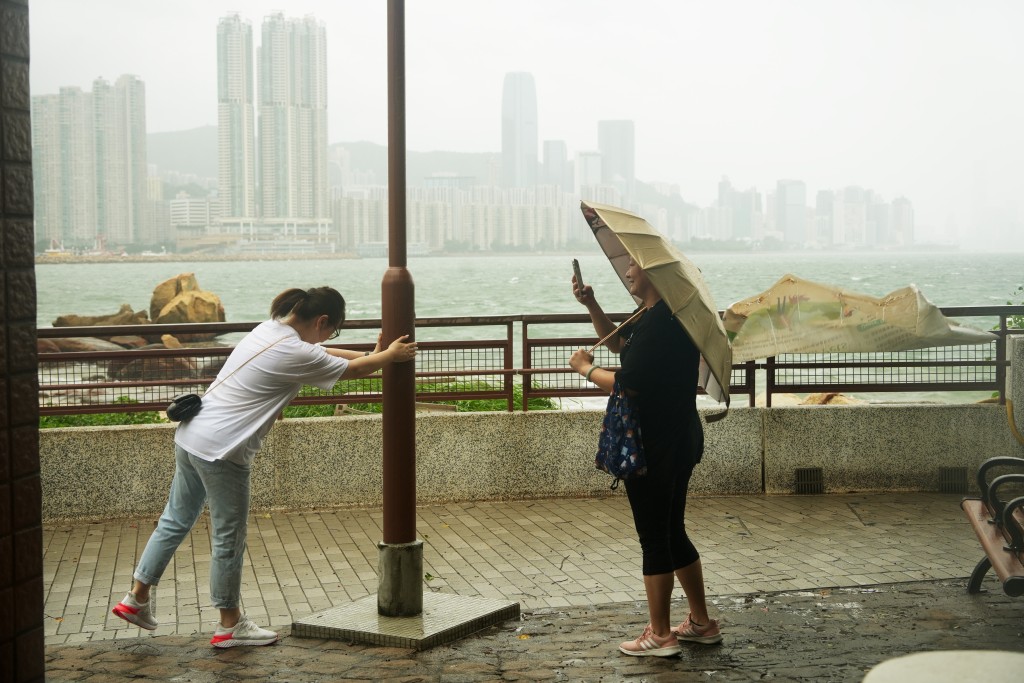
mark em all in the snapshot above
pixel 602 323
pixel 348 354
pixel 363 365
pixel 583 362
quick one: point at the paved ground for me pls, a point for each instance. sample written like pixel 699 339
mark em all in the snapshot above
pixel 808 587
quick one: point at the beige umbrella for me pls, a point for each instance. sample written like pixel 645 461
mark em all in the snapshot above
pixel 623 235
pixel 800 316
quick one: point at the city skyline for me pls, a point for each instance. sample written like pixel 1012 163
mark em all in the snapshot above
pixel 911 99
pixel 90 164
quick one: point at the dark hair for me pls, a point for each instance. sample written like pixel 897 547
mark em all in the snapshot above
pixel 310 303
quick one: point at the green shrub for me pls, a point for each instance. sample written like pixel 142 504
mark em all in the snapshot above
pixel 360 386
pixel 103 419
pixel 373 386
pixel 1016 321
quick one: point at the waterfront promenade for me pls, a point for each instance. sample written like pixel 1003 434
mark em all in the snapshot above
pixel 808 588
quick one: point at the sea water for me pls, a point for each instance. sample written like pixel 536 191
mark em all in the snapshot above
pixel 521 284
pixel 493 285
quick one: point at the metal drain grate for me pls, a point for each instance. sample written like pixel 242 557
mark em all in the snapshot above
pixel 809 480
pixel 953 480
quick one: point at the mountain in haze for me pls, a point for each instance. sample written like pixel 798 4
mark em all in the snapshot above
pixel 369 156
pixel 185 151
pixel 195 152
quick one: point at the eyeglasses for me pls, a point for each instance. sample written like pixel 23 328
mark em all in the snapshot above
pixel 334 334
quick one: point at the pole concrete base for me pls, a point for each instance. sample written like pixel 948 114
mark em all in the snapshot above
pixel 400 615
pixel 400 579
pixel 445 619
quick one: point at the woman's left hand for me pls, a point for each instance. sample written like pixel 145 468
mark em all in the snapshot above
pixel 401 351
pixel 581 359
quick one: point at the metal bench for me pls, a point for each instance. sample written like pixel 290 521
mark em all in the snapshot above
pixel 998 521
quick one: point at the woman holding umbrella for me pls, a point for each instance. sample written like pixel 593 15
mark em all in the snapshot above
pixel 659 370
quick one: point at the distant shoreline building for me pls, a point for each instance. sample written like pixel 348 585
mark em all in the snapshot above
pixel 616 140
pixel 273 138
pixel 236 123
pixel 90 171
pixel 519 130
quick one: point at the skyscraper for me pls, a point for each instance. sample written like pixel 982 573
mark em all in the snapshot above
pixel 519 131
pixel 90 152
pixel 236 127
pixel 121 165
pixel 293 118
pixel 791 210
pixel 616 140
pixel 556 168
pixel 902 221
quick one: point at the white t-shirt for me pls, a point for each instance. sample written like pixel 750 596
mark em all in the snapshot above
pixel 240 410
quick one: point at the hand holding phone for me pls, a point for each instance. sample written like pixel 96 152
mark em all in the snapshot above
pixel 579 278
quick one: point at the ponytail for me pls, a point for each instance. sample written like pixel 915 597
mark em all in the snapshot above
pixel 309 304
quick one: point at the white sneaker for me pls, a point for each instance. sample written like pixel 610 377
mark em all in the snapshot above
pixel 135 612
pixel 245 632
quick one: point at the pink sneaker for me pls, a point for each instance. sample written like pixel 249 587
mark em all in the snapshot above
pixel 135 612
pixel 708 634
pixel 650 645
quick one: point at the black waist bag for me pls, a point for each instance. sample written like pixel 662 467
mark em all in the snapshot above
pixel 184 407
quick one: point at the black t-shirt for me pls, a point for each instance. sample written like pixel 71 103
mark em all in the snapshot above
pixel 660 364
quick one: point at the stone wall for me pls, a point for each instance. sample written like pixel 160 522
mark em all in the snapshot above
pixel 21 545
pixel 325 462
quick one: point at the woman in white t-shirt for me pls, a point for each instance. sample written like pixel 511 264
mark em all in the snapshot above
pixel 215 449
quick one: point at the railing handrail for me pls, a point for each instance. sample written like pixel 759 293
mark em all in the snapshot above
pixel 554 379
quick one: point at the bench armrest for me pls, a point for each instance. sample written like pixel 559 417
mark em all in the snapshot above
pixel 998 461
pixel 994 502
pixel 1012 524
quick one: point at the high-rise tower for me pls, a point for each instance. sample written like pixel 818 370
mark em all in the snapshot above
pixel 236 127
pixel 90 149
pixel 519 131
pixel 791 210
pixel 293 118
pixel 119 117
pixel 616 140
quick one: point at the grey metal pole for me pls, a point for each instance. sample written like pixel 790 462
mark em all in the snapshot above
pixel 400 565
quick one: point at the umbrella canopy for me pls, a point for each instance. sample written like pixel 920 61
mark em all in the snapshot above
pixel 623 235
pixel 799 316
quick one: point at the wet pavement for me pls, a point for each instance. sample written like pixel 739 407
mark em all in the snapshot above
pixel 808 588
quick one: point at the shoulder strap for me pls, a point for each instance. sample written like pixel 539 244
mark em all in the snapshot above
pixel 218 383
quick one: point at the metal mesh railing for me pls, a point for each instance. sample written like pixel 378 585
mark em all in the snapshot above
pixel 947 368
pixel 463 368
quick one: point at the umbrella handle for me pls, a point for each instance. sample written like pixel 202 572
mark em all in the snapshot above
pixel 616 330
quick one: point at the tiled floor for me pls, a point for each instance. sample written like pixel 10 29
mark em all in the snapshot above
pixel 540 553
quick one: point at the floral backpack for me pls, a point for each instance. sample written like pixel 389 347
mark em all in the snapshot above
pixel 620 451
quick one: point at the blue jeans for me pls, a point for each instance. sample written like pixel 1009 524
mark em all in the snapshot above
pixel 225 485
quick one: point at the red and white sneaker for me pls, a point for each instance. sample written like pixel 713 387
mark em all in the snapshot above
pixel 245 632
pixel 708 634
pixel 135 612
pixel 650 645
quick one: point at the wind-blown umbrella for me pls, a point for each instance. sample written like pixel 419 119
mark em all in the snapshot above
pixel 623 235
pixel 800 316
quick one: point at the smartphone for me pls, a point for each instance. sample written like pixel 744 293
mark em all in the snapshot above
pixel 579 278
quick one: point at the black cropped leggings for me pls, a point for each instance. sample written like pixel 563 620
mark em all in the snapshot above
pixel 658 501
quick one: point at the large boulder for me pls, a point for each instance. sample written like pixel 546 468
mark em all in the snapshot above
pixel 153 369
pixel 195 306
pixel 130 341
pixel 72 344
pixel 181 300
pixel 125 316
pixel 46 346
pixel 168 289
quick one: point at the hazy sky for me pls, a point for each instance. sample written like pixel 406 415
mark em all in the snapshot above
pixel 920 98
